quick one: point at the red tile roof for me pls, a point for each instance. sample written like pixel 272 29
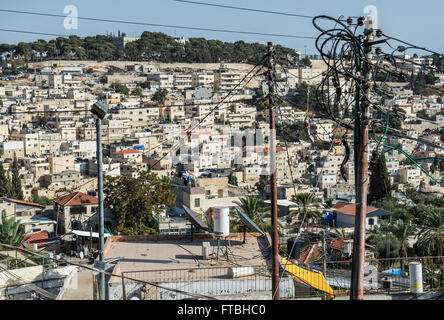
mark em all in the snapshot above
pixel 308 253
pixel 265 149
pixel 350 209
pixel 128 151
pixel 27 203
pixel 340 204
pixel 337 244
pixel 41 238
pixel 76 199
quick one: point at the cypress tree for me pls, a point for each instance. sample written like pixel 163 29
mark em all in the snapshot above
pixel 4 182
pixel 379 188
pixel 16 183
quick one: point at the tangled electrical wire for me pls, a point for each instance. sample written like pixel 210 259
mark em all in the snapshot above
pixel 358 74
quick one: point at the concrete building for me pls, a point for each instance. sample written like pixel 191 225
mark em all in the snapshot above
pixel 10 148
pixel 74 210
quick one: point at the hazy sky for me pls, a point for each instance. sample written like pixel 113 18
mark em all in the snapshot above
pixel 419 22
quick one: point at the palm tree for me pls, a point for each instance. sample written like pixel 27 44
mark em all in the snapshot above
pixel 308 206
pixel 254 208
pixel 11 233
pixel 431 239
pixel 402 231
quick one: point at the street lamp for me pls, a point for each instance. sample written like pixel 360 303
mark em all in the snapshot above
pixel 100 109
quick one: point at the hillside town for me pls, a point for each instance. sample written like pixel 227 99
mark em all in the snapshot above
pixel 184 142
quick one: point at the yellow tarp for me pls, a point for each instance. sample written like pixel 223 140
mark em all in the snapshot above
pixel 313 279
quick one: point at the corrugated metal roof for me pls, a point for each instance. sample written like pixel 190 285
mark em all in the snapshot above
pixel 313 279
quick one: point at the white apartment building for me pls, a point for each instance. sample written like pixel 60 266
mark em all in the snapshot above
pixel 310 76
pixel 203 79
pixel 165 80
pixel 183 81
pixel 84 149
pixel 409 175
pixel 228 80
pixel 322 129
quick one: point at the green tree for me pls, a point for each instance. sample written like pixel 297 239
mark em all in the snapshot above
pixel 145 85
pixel 136 203
pixel 383 240
pixel 431 237
pixel 160 96
pixel 379 188
pixel 232 179
pixel 41 200
pixel 16 182
pixel 254 208
pixel 306 62
pixel 120 88
pixel 11 233
pixel 4 183
pixel 308 207
pixel 262 183
pixel 137 92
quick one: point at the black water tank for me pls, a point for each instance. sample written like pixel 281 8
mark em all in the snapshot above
pixel 296 246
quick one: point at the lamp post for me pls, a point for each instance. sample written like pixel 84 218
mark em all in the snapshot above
pixel 100 109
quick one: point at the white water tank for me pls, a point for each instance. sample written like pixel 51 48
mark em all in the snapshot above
pixel 221 220
pixel 240 272
pixel 415 269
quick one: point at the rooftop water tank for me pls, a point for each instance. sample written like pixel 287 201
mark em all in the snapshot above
pixel 415 270
pixel 221 220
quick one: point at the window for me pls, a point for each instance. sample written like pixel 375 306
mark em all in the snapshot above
pixel 3 213
pixel 197 202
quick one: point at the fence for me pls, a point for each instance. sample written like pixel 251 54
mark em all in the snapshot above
pixel 254 282
pixel 388 275
pixel 246 282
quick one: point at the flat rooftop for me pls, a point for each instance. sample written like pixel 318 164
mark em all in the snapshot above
pixel 162 253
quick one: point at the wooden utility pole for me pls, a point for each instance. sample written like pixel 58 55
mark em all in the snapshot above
pixel 357 284
pixel 273 189
pixel 324 257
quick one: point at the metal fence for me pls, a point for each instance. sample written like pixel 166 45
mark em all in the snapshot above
pixel 246 282
pixel 254 282
pixel 388 275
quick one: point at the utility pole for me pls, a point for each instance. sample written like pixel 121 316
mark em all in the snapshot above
pixel 273 189
pixel 100 109
pixel 101 211
pixel 324 258
pixel 357 285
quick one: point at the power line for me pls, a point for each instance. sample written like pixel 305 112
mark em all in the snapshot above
pixel 246 9
pixel 150 25
pixel 34 32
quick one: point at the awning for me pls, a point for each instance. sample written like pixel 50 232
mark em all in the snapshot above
pixel 313 279
pixel 88 234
